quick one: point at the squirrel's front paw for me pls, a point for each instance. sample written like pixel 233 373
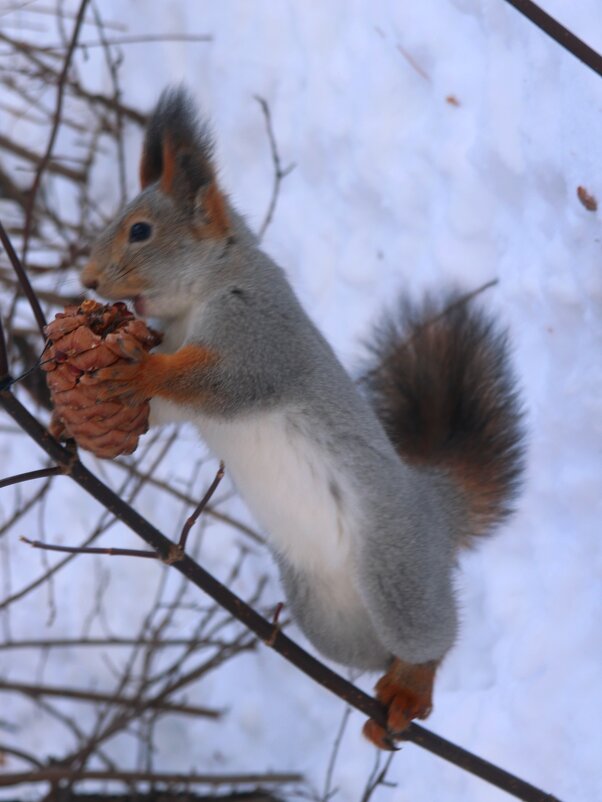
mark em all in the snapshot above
pixel 407 692
pixel 124 382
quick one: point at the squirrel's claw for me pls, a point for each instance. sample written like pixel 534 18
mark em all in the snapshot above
pixel 403 708
pixel 407 692
pixel 379 736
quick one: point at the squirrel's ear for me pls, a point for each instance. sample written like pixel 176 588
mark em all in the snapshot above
pixel 178 153
pixel 177 150
pixel 210 212
pixel 151 163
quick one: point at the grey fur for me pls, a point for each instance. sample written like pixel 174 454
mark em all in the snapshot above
pixel 273 355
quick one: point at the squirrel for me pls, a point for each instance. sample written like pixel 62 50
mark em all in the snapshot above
pixel 367 491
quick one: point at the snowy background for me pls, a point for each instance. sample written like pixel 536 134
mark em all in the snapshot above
pixel 435 143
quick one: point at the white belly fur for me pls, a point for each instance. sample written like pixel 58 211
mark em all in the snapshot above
pixel 286 479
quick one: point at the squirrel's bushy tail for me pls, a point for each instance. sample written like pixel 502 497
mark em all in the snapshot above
pixel 441 384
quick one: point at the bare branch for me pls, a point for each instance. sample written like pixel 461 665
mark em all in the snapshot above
pixel 52 166
pixel 190 522
pixel 209 510
pixel 26 477
pixel 55 127
pixel 176 551
pixel 378 776
pixel 132 40
pixel 108 552
pixel 105 522
pixel 329 792
pixel 23 280
pixel 92 696
pixel 55 774
pixel 280 173
pixel 4 367
pixel 21 755
pixel 70 643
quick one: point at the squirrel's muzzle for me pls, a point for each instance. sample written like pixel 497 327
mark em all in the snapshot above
pixel 89 276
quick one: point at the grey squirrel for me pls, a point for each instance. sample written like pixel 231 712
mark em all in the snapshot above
pixel 366 494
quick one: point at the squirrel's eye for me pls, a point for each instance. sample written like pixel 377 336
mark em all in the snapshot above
pixel 139 232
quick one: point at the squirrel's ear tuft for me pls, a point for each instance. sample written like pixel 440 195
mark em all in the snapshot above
pixel 178 154
pixel 177 149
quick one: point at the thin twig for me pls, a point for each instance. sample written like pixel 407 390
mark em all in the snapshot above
pixel 219 516
pixel 275 624
pixel 120 721
pixel 378 776
pixel 55 774
pixel 62 83
pixel 49 74
pixel 113 68
pixel 27 477
pixel 190 522
pixel 53 166
pixel 280 173
pixel 103 643
pixel 329 792
pixel 177 548
pixel 109 551
pixel 23 279
pixel 48 296
pixel 132 40
pixel 32 690
pixel 4 367
pixel 24 507
pixel 50 10
pixel 21 755
pixel 106 521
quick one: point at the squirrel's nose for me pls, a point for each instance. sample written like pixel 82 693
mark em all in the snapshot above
pixel 88 276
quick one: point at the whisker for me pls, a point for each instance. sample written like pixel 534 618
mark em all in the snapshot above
pixel 123 272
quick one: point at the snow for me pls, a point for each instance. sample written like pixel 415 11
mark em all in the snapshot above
pixel 394 188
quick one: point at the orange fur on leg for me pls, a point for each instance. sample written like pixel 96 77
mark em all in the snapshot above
pixel 211 206
pixel 178 377
pixel 407 691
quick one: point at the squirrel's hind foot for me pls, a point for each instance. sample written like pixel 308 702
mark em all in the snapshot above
pixel 407 692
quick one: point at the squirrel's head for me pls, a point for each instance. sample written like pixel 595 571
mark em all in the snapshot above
pixel 170 239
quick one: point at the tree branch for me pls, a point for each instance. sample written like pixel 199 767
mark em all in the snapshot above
pixel 24 283
pixel 53 775
pixel 27 477
pixel 33 691
pixel 280 173
pixel 62 83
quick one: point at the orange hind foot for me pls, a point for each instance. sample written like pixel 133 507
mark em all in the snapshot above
pixel 407 692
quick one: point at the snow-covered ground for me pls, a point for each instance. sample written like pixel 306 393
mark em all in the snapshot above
pixel 435 143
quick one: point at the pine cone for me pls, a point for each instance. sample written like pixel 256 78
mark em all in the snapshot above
pixel 83 339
